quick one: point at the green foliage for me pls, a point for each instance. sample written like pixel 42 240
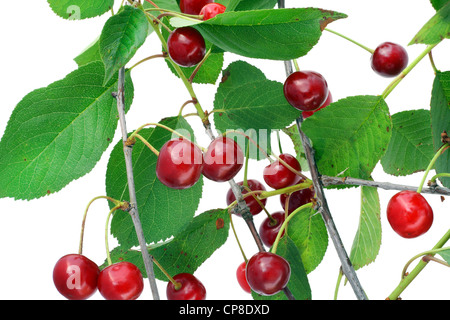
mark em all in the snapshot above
pixel 436 29
pixel 80 9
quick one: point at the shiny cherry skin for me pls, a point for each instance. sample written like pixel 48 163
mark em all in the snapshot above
pixel 191 288
pixel 121 281
pixel 179 164
pixel 211 10
pixel 241 277
pixel 278 176
pixel 223 160
pixel 305 90
pixel 307 114
pixel 269 228
pixel 267 273
pixel 389 59
pixel 409 214
pixel 186 46
pixel 193 6
pixel 297 199
pixel 251 202
pixel 75 277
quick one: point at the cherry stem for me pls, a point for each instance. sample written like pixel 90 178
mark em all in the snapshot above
pixel 280 149
pixel 247 152
pixel 180 113
pixel 160 55
pixel 198 66
pixel 289 167
pixel 439 175
pixel 108 255
pixel 427 256
pixel 171 279
pixel 371 51
pixel 237 238
pixel 259 202
pixel 431 165
pixel 433 65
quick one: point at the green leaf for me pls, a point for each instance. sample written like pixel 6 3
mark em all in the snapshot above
pixel 293 134
pixel 244 5
pixel 163 211
pixel 90 54
pixel 367 241
pixel 436 29
pixel 80 9
pixel 121 37
pixel 276 34
pixel 350 136
pixel 440 120
pixel 58 133
pixel 171 5
pixel 411 146
pixel 437 4
pixel 445 254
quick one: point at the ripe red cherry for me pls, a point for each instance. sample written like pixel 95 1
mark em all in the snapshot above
pixel 268 273
pixel 121 281
pixel 389 59
pixel 186 46
pixel 297 199
pixel 307 114
pixel 278 176
pixel 305 90
pixel 409 214
pixel 241 277
pixel 251 202
pixel 75 277
pixel 211 10
pixel 193 6
pixel 268 230
pixel 179 164
pixel 191 288
pixel 223 159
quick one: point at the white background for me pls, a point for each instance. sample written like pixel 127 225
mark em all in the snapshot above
pixel 38 48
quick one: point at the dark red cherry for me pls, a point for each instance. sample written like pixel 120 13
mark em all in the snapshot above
pixel 241 277
pixel 179 164
pixel 121 281
pixel 409 214
pixel 186 46
pixel 251 202
pixel 211 10
pixel 389 59
pixel 305 90
pixel 267 273
pixel 269 228
pixel 193 6
pixel 297 199
pixel 223 159
pixel 307 114
pixel 278 176
pixel 75 276
pixel 191 288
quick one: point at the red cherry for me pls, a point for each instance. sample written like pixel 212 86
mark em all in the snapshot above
pixel 75 277
pixel 186 46
pixel 191 288
pixel 179 164
pixel 409 214
pixel 193 6
pixel 223 159
pixel 268 273
pixel 211 10
pixel 297 199
pixel 306 114
pixel 268 230
pixel 251 202
pixel 241 277
pixel 121 281
pixel 305 90
pixel 389 59
pixel 277 176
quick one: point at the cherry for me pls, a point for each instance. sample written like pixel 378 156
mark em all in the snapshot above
pixel 269 228
pixel 186 46
pixel 278 176
pixel 297 199
pixel 121 281
pixel 241 277
pixel 193 6
pixel 409 214
pixel 179 164
pixel 191 288
pixel 305 90
pixel 268 273
pixel 389 59
pixel 75 276
pixel 307 114
pixel 223 159
pixel 211 10
pixel 251 202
